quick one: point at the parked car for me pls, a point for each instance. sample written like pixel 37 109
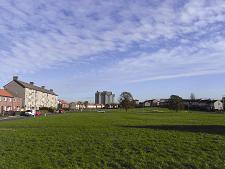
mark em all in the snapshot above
pixel 38 113
pixel 10 113
pixel 25 113
pixel 30 113
pixel 22 113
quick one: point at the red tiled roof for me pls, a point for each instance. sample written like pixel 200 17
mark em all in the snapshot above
pixel 5 93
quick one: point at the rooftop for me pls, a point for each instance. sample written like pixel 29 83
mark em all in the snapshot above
pixel 32 86
pixel 5 93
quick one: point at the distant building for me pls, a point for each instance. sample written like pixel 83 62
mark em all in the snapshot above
pixel 105 97
pixel 223 100
pixel 33 97
pixel 94 106
pixel 218 105
pixel 136 101
pixel 147 103
pixel 151 103
pixel 63 104
pixel 164 103
pixel 73 106
pixel 79 106
pixel 203 104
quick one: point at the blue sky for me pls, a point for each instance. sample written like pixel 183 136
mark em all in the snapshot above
pixel 151 48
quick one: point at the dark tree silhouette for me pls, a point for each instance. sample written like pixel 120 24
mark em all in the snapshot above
pixel 86 104
pixel 175 102
pixel 126 100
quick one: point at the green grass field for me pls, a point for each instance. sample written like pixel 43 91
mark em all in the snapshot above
pixel 140 138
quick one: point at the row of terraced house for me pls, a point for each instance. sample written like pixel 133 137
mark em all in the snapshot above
pixel 189 104
pixel 18 95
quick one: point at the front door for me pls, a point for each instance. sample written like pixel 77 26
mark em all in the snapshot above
pixel 1 109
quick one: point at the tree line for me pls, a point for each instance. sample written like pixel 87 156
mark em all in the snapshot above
pixel 126 101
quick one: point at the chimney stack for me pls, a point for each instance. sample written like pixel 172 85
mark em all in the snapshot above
pixel 15 77
pixel 43 87
pixel 31 83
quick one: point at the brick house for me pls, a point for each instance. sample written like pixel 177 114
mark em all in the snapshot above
pixel 8 102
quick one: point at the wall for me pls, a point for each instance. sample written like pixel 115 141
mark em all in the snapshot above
pixel 36 99
pixel 16 90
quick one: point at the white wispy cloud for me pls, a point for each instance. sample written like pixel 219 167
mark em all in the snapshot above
pixel 162 39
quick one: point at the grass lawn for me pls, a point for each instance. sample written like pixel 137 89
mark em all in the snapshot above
pixel 140 138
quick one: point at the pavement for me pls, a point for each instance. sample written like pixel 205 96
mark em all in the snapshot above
pixel 9 118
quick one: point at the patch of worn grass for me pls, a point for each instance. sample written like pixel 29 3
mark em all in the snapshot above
pixel 139 138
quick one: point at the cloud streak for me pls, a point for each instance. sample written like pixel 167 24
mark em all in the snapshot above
pixel 158 39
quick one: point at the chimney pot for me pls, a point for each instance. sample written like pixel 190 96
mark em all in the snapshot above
pixel 15 77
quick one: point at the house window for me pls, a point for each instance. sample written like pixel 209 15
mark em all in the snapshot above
pixel 10 99
pixel 14 100
pixel 9 108
pixel 5 99
pixel 0 98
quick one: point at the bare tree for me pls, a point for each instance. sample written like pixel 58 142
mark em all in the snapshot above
pixel 126 100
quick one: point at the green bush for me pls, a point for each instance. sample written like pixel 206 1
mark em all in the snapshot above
pixel 47 109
